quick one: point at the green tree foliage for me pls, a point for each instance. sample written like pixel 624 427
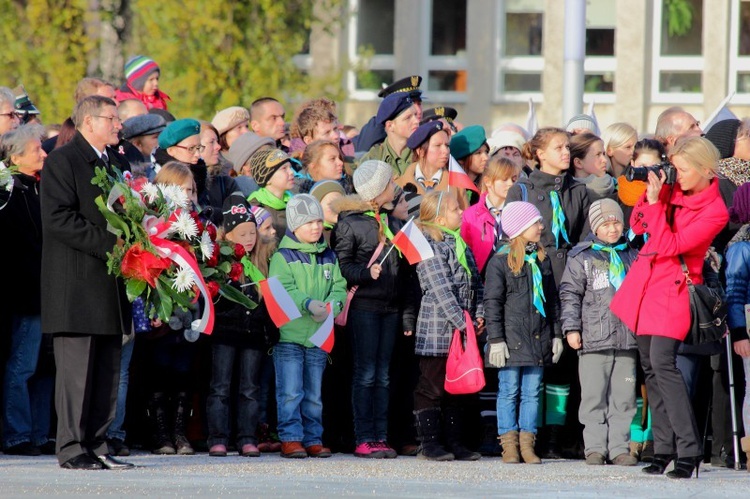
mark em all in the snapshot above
pixel 43 45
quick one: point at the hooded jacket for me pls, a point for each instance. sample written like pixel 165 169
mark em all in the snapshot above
pixel 478 230
pixel 308 271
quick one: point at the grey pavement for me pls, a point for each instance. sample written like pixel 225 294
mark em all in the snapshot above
pixel 345 475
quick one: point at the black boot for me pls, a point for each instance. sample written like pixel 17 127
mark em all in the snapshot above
pixel 554 437
pixel 658 464
pixel 453 424
pixel 181 414
pixel 428 432
pixel 684 466
pixel 157 413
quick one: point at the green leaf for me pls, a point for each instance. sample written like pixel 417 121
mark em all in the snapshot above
pixel 165 303
pixel 226 250
pixel 135 288
pixel 118 224
pixel 225 267
pixel 231 293
pixel 208 272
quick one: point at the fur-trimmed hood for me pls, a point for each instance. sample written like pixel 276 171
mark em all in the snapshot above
pixel 351 203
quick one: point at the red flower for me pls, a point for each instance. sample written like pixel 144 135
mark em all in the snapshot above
pixel 239 251
pixel 213 288
pixel 138 263
pixel 214 260
pixel 236 271
pixel 211 228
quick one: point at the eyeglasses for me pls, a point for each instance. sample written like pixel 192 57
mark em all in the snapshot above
pixel 11 115
pixel 193 149
pixel 112 119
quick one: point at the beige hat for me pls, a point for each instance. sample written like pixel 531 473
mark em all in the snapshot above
pixel 505 138
pixel 228 118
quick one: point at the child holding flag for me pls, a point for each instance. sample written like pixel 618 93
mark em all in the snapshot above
pixel 521 308
pixel 596 267
pixel 239 339
pixel 309 272
pixel 450 284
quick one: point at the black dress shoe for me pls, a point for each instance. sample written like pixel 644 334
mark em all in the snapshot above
pixel 110 463
pixel 658 464
pixel 82 462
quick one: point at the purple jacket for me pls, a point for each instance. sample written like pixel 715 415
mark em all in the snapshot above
pixel 478 230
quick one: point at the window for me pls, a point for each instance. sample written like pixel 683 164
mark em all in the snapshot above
pixel 678 59
pixel 519 70
pixel 600 63
pixel 739 49
pixel 446 57
pixel 371 47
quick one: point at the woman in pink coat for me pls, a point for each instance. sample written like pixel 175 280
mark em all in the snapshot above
pixel 681 220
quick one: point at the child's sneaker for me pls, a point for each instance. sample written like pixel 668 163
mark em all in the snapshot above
pixel 369 450
pixel 387 449
pixel 218 450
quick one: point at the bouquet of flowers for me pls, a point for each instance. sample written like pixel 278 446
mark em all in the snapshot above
pixel 168 256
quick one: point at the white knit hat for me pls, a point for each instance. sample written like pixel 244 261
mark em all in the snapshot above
pixel 517 217
pixel 371 178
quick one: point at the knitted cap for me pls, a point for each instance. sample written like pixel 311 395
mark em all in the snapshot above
pixel 260 214
pixel 236 211
pixel 582 121
pixel 245 146
pixel 320 189
pixel 177 131
pixel 517 217
pixel 604 210
pixel 228 118
pixel 265 162
pixel 724 135
pixel 138 69
pixel 739 212
pixel 505 138
pixel 371 178
pixel 301 209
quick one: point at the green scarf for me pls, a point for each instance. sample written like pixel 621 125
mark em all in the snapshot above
pixel 536 275
pixel 383 223
pixel 616 267
pixel 558 219
pixel 460 246
pixel 251 270
pixel 264 197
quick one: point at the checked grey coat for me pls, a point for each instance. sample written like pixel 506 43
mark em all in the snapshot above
pixel 447 290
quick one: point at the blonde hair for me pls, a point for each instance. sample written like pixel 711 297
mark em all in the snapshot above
pixel 539 141
pixel 618 134
pixel 699 153
pixel 260 255
pixel 517 252
pixel 433 204
pixel 499 168
pixel 174 173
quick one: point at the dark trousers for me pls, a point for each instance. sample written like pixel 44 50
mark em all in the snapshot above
pixel 672 417
pixel 88 372
pixel 430 391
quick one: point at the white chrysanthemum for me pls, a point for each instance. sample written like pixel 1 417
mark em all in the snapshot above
pixel 174 195
pixel 207 246
pixel 184 225
pixel 184 280
pixel 150 191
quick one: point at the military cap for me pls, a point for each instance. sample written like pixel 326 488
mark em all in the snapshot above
pixel 392 106
pixel 423 133
pixel 410 85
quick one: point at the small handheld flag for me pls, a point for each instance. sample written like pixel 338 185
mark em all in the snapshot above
pixel 457 176
pixel 324 337
pixel 280 305
pixel 412 243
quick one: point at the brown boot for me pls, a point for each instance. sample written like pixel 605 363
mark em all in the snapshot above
pixel 527 440
pixel 745 444
pixel 509 441
pixel 635 449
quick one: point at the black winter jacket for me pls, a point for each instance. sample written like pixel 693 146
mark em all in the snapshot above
pixel 510 315
pixel 242 328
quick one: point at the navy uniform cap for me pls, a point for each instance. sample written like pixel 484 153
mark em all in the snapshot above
pixel 423 133
pixel 409 85
pixel 392 106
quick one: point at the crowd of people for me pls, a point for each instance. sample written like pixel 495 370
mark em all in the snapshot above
pixel 571 271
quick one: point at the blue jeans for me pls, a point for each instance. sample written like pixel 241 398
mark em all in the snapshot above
pixel 299 377
pixel 115 429
pixel 27 402
pixel 247 362
pixel 373 335
pixel 512 381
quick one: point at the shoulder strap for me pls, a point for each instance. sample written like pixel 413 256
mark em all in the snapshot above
pixel 376 254
pixel 686 272
pixel 524 191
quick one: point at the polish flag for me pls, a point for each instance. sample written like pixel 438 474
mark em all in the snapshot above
pixel 457 176
pixel 323 337
pixel 280 305
pixel 412 243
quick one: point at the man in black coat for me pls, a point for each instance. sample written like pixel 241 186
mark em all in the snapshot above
pixel 82 306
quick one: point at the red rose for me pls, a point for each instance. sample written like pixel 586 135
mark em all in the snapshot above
pixel 200 226
pixel 213 288
pixel 239 251
pixel 236 271
pixel 138 263
pixel 214 260
pixel 211 228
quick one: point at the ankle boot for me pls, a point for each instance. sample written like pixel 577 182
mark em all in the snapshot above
pixel 647 453
pixel 658 464
pixel 635 449
pixel 157 413
pixel 453 429
pixel 526 444
pixel 684 466
pixel 509 441
pixel 490 441
pixel 181 414
pixel 428 433
pixel 554 449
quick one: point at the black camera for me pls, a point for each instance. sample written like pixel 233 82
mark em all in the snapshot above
pixel 641 172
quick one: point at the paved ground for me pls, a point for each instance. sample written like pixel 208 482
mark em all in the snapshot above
pixel 345 475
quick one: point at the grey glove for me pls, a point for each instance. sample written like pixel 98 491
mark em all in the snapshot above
pixel 498 354
pixel 557 349
pixel 318 310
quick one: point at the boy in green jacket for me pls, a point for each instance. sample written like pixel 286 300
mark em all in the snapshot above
pixel 309 271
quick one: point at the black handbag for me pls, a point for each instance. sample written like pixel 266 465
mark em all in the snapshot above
pixel 708 310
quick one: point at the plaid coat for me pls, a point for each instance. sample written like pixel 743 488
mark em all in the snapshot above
pixel 447 290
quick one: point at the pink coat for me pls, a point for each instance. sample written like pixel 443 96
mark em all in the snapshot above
pixel 653 299
pixel 478 230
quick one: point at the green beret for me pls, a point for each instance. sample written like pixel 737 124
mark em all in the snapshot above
pixel 177 131
pixel 467 141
